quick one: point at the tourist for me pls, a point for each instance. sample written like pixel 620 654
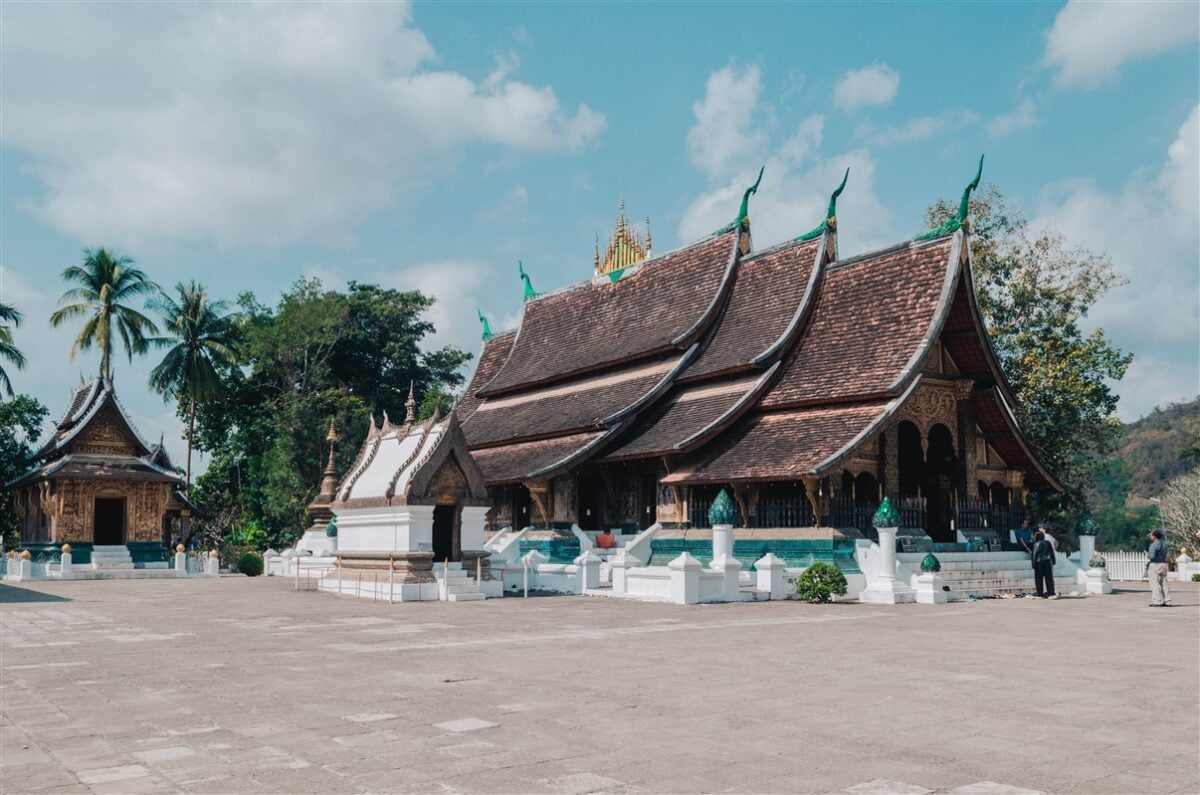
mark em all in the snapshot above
pixel 1024 536
pixel 1043 566
pixel 1156 570
pixel 1053 541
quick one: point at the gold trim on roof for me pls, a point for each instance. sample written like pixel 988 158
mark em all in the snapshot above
pixel 625 248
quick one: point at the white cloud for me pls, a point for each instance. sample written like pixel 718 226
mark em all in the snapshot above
pixel 1150 230
pixel 726 138
pixel 511 207
pixel 796 183
pixel 1021 118
pixel 917 129
pixel 871 85
pixel 1090 41
pixel 260 123
pixel 460 286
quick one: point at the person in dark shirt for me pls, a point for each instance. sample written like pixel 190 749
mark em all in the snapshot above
pixel 1156 570
pixel 1043 566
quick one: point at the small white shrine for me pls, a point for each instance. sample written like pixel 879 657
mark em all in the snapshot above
pixel 411 513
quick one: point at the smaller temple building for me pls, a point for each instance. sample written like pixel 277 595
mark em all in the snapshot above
pixel 96 482
pixel 411 513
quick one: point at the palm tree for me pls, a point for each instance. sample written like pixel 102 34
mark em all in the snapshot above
pixel 106 284
pixel 200 335
pixel 10 318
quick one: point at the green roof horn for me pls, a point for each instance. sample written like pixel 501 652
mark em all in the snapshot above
pixel 529 291
pixel 744 210
pixel 830 221
pixel 487 327
pixel 954 224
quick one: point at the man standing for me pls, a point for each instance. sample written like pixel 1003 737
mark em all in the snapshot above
pixel 1043 566
pixel 1156 570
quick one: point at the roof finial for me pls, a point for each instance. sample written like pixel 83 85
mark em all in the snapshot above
pixel 437 409
pixel 830 221
pixel 529 291
pixel 596 257
pixel 487 327
pixel 410 405
pixel 743 217
pixel 959 220
pixel 648 247
pixel 332 435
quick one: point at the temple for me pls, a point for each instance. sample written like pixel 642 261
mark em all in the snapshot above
pixel 97 485
pixel 809 385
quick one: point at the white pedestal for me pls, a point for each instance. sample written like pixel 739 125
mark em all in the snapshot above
pixel 589 571
pixel 65 571
pixel 722 541
pixel 769 575
pixel 685 579
pixel 212 567
pixel 620 564
pixel 315 541
pixel 1087 548
pixel 180 564
pixel 1183 568
pixel 731 571
pixel 884 588
pixel 929 589
pixel 1097 581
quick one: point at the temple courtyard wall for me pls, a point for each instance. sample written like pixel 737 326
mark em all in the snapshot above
pixel 242 684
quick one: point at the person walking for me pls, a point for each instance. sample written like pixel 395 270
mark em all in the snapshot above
pixel 1156 570
pixel 1043 566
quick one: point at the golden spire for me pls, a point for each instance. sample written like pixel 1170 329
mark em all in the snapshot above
pixel 625 248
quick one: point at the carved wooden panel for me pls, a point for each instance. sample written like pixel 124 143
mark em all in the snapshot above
pixel 106 434
pixel 448 485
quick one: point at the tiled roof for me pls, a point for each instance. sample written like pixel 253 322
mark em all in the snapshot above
pixel 98 467
pixel 491 358
pixel 86 404
pixel 662 306
pixel 780 445
pixel 872 317
pixel 684 417
pixel 579 405
pixel 765 298
pixel 515 462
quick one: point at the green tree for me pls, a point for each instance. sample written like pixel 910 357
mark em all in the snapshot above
pixel 1035 292
pixel 10 318
pixel 317 354
pixel 21 419
pixel 199 336
pixel 106 283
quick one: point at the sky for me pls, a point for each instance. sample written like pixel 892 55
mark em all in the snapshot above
pixel 431 146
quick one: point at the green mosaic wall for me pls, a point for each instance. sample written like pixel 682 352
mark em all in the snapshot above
pixel 556 550
pixel 795 552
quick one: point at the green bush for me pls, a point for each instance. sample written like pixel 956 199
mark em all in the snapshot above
pixel 1196 578
pixel 250 564
pixel 820 582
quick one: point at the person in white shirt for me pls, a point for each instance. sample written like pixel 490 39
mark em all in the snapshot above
pixel 1053 541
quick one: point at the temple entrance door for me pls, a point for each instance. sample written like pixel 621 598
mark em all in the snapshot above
pixel 445 533
pixel 591 501
pixel 939 485
pixel 647 500
pixel 109 521
pixel 522 507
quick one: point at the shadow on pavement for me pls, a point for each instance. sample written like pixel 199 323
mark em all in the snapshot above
pixel 10 594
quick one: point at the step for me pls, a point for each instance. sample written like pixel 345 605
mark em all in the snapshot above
pixel 466 597
pixel 461 589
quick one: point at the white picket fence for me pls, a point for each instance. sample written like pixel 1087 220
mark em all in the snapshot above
pixel 1125 565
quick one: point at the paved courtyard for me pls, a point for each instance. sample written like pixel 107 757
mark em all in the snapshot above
pixel 243 685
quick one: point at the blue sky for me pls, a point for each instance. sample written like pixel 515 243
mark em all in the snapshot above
pixel 431 146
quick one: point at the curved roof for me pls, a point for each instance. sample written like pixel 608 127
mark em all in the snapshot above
pixel 491 359
pixel 397 462
pixel 665 305
pixel 875 318
pixel 515 462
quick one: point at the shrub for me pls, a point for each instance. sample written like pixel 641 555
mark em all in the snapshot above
pixel 250 564
pixel 820 582
pixel 1196 578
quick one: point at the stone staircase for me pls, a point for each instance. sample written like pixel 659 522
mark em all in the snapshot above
pixel 456 585
pixel 111 558
pixel 982 574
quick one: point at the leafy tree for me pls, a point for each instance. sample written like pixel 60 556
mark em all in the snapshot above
pixel 199 336
pixel 318 354
pixel 1035 292
pixel 1180 508
pixel 21 419
pixel 106 283
pixel 10 318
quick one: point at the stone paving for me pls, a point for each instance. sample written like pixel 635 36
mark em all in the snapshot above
pixel 243 685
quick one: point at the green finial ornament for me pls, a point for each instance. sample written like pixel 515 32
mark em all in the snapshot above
pixel 722 511
pixel 830 221
pixel 487 327
pixel 529 291
pixel 887 515
pixel 954 224
pixel 744 210
pixel 930 563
